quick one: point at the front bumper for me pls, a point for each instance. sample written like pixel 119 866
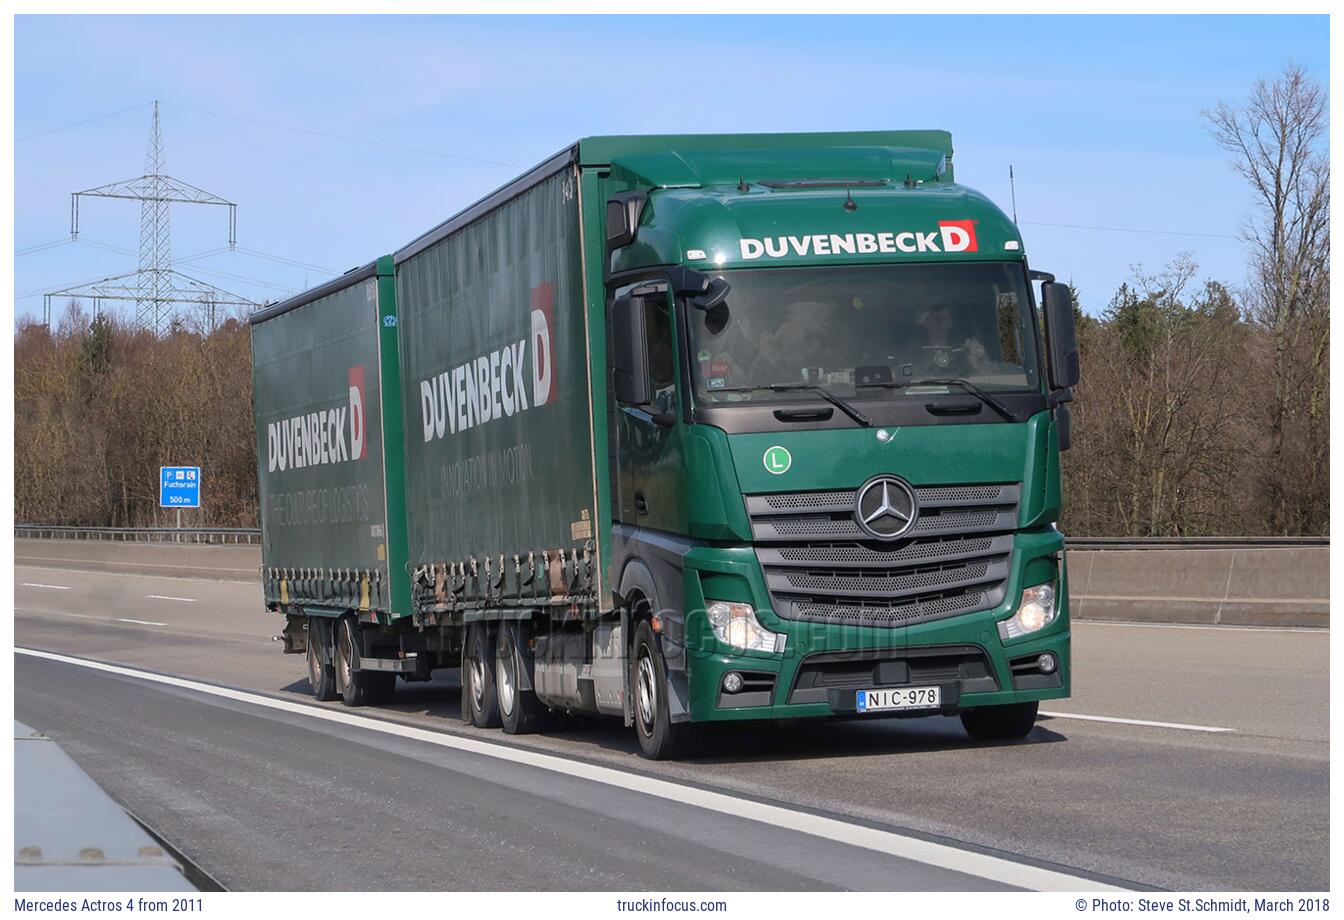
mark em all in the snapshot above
pixel 823 665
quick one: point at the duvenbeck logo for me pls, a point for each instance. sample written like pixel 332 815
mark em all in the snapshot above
pixel 951 236
pixel 494 385
pixel 320 437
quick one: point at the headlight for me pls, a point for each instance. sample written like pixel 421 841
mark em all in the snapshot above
pixel 1035 612
pixel 736 625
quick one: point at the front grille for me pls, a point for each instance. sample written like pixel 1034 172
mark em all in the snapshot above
pixel 820 566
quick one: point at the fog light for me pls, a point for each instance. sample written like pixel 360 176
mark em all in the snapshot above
pixel 732 682
pixel 1046 663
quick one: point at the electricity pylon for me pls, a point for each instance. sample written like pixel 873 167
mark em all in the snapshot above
pixel 155 286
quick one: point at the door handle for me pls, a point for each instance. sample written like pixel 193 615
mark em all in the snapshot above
pixel 641 503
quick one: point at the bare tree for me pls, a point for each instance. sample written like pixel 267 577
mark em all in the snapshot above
pixel 1276 138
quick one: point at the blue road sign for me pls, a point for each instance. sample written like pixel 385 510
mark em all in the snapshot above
pixel 179 487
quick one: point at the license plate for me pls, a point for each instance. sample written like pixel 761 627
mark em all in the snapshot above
pixel 898 698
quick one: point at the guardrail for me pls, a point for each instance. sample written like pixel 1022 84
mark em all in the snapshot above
pixel 208 535
pixel 252 535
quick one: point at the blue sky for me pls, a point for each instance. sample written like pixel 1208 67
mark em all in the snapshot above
pixel 1100 117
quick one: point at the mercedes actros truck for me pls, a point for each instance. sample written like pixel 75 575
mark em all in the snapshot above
pixel 681 430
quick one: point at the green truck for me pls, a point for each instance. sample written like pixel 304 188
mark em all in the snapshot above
pixel 681 430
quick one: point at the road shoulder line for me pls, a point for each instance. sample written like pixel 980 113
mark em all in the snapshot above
pixel 943 856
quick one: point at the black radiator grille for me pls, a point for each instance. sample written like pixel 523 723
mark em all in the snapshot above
pixel 820 566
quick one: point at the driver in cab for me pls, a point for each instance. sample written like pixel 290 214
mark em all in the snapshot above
pixel 946 349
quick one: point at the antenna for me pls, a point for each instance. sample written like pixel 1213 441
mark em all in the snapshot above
pixel 1012 187
pixel 155 285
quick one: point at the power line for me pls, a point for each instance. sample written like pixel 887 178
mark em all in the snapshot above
pixel 39 247
pixel 232 277
pixel 87 121
pixel 353 140
pixel 1219 236
pixel 285 261
pixel 108 246
pixel 203 254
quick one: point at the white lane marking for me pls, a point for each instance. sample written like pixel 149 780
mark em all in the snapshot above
pixel 139 622
pixel 943 856
pixel 169 597
pixel 1178 725
pixel 33 584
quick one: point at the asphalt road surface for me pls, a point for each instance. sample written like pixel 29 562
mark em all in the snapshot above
pixel 1188 758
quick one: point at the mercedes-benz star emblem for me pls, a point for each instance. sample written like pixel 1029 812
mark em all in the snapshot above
pixel 886 507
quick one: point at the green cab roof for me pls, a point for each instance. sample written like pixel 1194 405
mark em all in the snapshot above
pixel 769 199
pixel 746 148
pixel 753 225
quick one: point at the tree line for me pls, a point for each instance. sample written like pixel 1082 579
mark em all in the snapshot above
pixel 1204 406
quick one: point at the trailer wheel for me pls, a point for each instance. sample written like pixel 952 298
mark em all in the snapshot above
pixel 1000 723
pixel 480 701
pixel 358 688
pixel 321 672
pixel 659 737
pixel 520 712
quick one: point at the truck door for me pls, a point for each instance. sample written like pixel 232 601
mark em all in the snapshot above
pixel 649 455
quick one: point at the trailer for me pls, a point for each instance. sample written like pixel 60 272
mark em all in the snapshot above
pixel 681 429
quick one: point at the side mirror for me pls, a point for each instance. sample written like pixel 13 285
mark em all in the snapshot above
pixel 629 352
pixel 623 213
pixel 1061 337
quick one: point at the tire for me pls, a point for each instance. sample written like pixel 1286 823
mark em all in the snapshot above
pixel 659 737
pixel 520 712
pixel 321 671
pixel 356 687
pixel 480 701
pixel 1000 723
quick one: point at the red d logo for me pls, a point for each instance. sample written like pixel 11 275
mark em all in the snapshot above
pixel 958 235
pixel 356 379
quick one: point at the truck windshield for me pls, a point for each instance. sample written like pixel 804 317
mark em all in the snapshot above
pixel 863 332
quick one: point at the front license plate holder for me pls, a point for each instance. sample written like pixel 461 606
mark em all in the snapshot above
pixel 898 699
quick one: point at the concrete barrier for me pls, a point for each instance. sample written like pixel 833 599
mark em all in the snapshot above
pixel 185 560
pixel 1287 586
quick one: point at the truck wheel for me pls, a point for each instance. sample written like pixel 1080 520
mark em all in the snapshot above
pixel 321 672
pixel 1000 723
pixel 659 737
pixel 520 712
pixel 358 688
pixel 480 701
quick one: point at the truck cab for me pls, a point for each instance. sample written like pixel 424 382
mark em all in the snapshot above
pixel 835 422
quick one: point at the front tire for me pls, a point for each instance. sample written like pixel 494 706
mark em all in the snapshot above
pixel 480 700
pixel 358 688
pixel 321 672
pixel 1000 723
pixel 659 737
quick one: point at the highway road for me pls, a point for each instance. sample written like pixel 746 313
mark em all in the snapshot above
pixel 1189 758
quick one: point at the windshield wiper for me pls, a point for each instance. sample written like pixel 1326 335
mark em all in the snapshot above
pixel 966 385
pixel 821 391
